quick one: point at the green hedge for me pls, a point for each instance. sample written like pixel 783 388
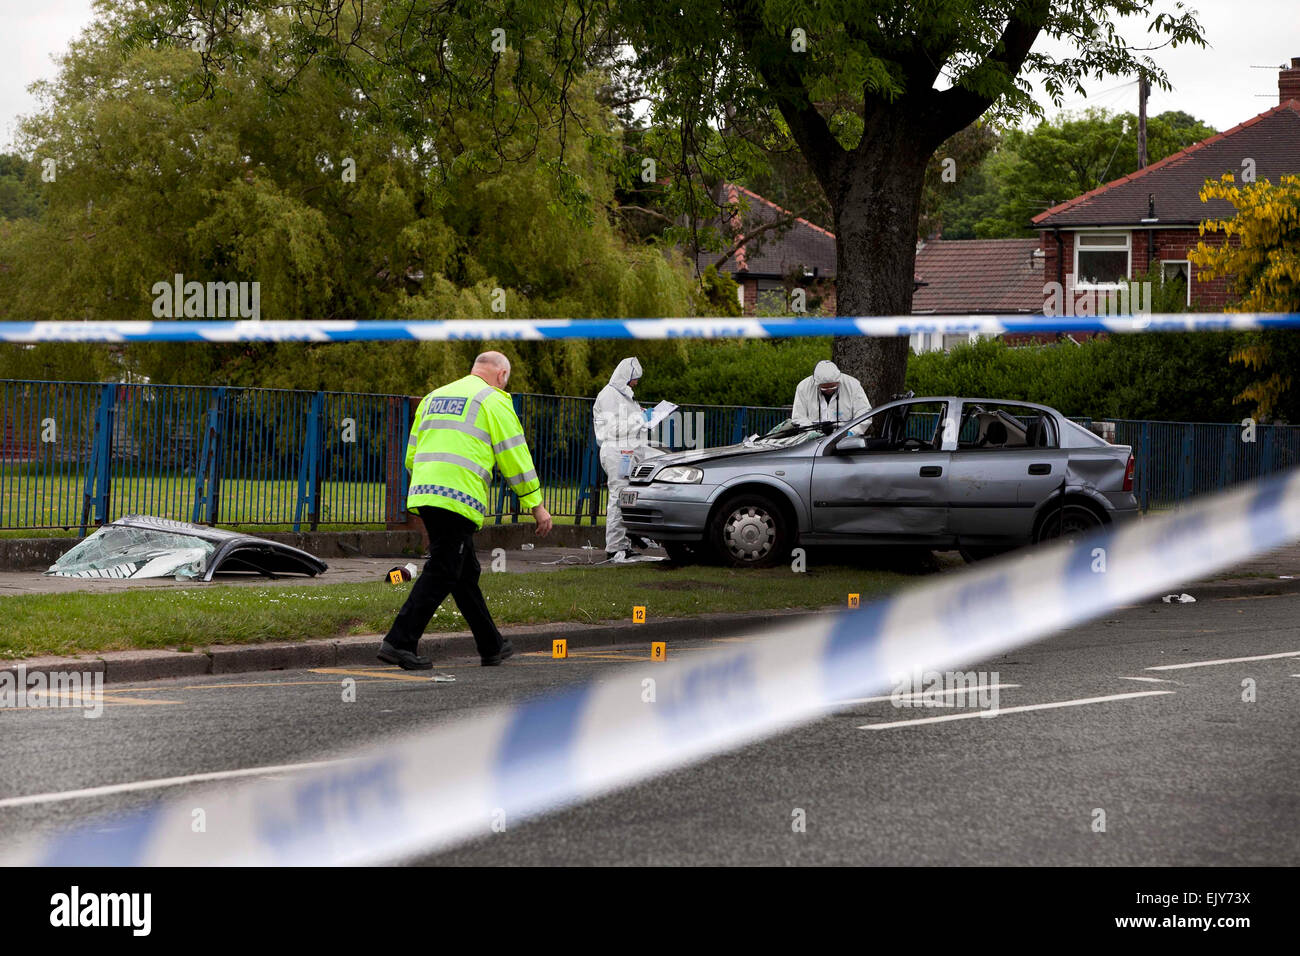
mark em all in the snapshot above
pixel 1170 376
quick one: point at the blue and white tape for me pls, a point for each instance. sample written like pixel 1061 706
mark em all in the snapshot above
pixel 431 789
pixel 477 330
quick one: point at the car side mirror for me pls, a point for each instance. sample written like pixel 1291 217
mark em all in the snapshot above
pixel 852 443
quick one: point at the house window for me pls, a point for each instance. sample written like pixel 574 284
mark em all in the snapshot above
pixel 772 298
pixel 1177 270
pixel 1101 258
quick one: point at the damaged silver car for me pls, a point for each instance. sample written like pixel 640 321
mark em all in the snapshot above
pixel 978 475
pixel 142 546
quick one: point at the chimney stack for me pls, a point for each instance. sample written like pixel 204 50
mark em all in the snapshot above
pixel 1288 81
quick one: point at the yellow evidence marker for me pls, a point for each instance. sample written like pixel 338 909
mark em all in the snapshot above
pixel 658 650
pixel 638 614
pixel 559 649
pixel 853 600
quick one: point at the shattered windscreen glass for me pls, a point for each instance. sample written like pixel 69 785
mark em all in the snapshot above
pixel 789 432
pixel 124 552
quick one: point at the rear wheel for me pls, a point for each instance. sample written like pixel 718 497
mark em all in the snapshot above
pixel 750 531
pixel 1071 522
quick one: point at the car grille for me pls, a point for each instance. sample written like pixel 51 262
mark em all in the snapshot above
pixel 643 471
pixel 642 514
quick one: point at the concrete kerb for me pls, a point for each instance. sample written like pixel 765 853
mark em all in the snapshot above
pixel 132 666
pixel 143 665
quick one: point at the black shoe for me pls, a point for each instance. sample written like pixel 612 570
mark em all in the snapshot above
pixel 507 651
pixel 406 660
pixel 622 557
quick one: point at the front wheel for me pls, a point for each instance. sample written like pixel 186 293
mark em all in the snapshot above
pixel 750 532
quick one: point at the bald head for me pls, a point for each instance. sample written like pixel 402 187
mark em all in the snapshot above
pixel 493 368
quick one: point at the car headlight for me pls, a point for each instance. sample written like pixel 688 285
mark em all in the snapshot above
pixel 681 475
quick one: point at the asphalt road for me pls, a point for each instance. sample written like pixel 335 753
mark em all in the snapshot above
pixel 1193 775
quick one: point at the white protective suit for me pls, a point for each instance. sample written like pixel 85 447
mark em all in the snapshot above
pixel 621 429
pixel 848 402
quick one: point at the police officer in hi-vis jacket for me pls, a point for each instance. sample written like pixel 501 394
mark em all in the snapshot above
pixel 460 431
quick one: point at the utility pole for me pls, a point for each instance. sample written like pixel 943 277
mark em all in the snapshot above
pixel 1144 88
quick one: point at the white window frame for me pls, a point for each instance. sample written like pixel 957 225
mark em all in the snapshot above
pixel 1186 262
pixel 1126 248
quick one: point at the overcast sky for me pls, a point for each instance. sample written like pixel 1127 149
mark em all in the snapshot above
pixel 1217 85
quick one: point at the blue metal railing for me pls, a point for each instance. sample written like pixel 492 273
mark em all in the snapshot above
pixel 75 455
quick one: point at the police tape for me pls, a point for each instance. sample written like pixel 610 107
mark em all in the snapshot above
pixel 430 789
pixel 437 330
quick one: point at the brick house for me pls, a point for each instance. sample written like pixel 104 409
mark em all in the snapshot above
pixel 1148 220
pixel 783 253
pixel 975 277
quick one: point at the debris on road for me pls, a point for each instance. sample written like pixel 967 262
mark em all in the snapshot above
pixel 143 546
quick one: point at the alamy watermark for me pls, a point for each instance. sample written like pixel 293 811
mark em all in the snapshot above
pixel 206 300
pixel 946 689
pixel 1126 298
pixel 20 690
pixel 76 908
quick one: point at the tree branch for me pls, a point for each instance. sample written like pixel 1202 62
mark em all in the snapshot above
pixel 957 107
pixel 807 125
pixel 648 212
pixel 753 234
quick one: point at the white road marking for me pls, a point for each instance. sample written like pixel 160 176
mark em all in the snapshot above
pixel 1013 710
pixel 63 795
pixel 1151 680
pixel 1226 660
pixel 920 694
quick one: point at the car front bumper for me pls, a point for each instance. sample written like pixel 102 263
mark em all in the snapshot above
pixel 669 512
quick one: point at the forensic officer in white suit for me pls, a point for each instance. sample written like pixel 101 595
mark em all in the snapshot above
pixel 623 435
pixel 828 395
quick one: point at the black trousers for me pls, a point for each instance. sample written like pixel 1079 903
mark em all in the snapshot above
pixel 453 569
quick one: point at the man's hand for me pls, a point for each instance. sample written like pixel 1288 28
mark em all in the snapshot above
pixel 543 519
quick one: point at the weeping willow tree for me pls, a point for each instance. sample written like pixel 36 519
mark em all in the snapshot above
pixel 269 170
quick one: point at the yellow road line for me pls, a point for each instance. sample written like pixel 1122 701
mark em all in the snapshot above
pixel 273 683
pixel 75 702
pixel 357 672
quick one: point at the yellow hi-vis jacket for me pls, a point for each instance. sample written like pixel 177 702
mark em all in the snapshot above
pixel 459 431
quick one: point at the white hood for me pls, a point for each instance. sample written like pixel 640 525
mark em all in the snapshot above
pixel 618 419
pixel 627 370
pixel 826 371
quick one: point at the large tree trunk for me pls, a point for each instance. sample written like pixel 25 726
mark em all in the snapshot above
pixel 876 201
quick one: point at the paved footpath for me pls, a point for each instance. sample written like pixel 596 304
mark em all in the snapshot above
pixel 340 571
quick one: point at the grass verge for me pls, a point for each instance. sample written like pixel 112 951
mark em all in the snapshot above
pixel 187 618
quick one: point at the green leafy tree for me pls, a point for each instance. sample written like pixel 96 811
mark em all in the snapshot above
pixel 18 199
pixel 1069 156
pixel 853 85
pixel 332 217
pixel 1260 253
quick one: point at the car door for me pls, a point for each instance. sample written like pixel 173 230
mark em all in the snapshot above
pixel 995 486
pixel 895 486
